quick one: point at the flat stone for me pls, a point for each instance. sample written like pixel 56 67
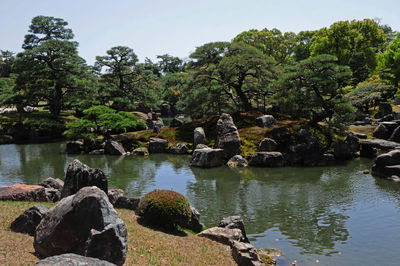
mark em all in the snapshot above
pixel 381 144
pixel 222 235
pixel 22 192
pixel 207 158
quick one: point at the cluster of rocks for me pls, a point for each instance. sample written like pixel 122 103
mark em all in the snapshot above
pixel 387 166
pixel 231 231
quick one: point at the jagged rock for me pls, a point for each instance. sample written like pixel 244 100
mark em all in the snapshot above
pixel 267 144
pixel 71 259
pixel 114 194
pixel 114 148
pixel 267 159
pixel 127 203
pixel 50 182
pixel 97 152
pixel 395 135
pixel 28 221
pixel 158 145
pixel 21 192
pixel 245 254
pixel 195 225
pixel 233 222
pixel 237 161
pixel 176 122
pixel 180 148
pixel 84 224
pixel 384 109
pixel 199 137
pixel 368 151
pixel 222 235
pixel 142 151
pixel 381 132
pixel 74 147
pixel 6 139
pixel 80 175
pixel 266 121
pixel 52 194
pixel 202 146
pixel 207 158
pixel 227 136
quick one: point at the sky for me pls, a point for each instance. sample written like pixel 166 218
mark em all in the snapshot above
pixel 177 27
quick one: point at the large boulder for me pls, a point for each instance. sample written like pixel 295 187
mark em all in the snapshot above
pixel 114 148
pixel 74 147
pixel 267 159
pixel 157 145
pixel 207 158
pixel 180 148
pixel 387 165
pixel 245 254
pixel 237 161
pixel 381 132
pixel 21 192
pixel 381 144
pixel 227 136
pixel 395 135
pixel 85 224
pixel 114 194
pixel 80 175
pixel 50 182
pixel 199 137
pixel 28 221
pixel 232 222
pixel 266 121
pixel 267 144
pixel 71 259
pixel 222 235
pixel 384 110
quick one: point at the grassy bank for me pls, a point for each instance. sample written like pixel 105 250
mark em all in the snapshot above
pixel 145 245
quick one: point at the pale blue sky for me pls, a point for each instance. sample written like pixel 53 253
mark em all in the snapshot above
pixel 177 27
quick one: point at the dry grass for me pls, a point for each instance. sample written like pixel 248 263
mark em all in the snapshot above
pixel 145 245
pixel 367 130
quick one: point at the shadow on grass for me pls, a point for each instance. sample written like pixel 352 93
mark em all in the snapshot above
pixel 170 231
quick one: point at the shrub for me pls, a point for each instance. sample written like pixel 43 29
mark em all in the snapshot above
pixel 165 208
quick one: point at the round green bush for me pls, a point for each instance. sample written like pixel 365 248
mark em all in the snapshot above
pixel 165 208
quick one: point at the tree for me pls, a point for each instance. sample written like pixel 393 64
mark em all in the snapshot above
pixel 7 59
pixel 50 68
pixel 312 89
pixel 389 64
pixel 355 44
pixel 303 43
pixel 367 95
pixel 170 64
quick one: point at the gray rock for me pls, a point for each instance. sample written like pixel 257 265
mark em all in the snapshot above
pixel 266 121
pixel 237 161
pixel 114 194
pixel 232 222
pixel 199 137
pixel 114 148
pixel 141 151
pixel 267 144
pixel 74 147
pixel 222 235
pixel 195 225
pixel 227 136
pixel 207 158
pixel 6 139
pixel 245 254
pixel 381 144
pixel 267 159
pixel 180 148
pixel 52 194
pixel 387 165
pixel 359 135
pixel 21 192
pixel 384 109
pixel 70 259
pixel 202 146
pixel 157 145
pixel 28 221
pixel 50 182
pixel 381 132
pixel 395 135
pixel 396 115
pixel 80 175
pixel 97 152
pixel 176 122
pixel 84 224
pixel 127 203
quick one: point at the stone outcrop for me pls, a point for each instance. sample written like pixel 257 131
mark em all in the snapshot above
pixel 74 147
pixel 237 161
pixel 141 151
pixel 245 254
pixel 21 192
pixel 222 235
pixel 114 194
pixel 199 137
pixel 227 136
pixel 50 182
pixel 80 175
pixel 71 259
pixel 85 224
pixel 267 159
pixel 157 145
pixel 266 121
pixel 114 148
pixel 180 148
pixel 267 144
pixel 28 221
pixel 207 158
pixel 233 222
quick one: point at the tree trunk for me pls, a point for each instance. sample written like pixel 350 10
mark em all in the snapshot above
pixel 56 102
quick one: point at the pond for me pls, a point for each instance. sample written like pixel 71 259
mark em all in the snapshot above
pixel 325 215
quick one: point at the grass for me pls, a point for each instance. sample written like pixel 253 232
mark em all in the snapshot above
pixel 146 246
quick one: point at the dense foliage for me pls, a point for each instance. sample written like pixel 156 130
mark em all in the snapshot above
pixel 165 208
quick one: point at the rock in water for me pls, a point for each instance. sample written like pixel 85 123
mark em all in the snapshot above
pixel 199 137
pixel 207 158
pixel 85 224
pixel 157 145
pixel 237 161
pixel 233 222
pixel 80 175
pixel 180 148
pixel 74 147
pixel 227 136
pixel 114 148
pixel 267 159
pixel 29 220
pixel 72 260
pixel 245 254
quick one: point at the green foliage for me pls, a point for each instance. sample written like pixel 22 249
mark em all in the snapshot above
pixel 389 64
pixel 100 120
pixel 368 95
pixel 165 208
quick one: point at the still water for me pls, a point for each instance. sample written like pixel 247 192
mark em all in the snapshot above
pixel 316 216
